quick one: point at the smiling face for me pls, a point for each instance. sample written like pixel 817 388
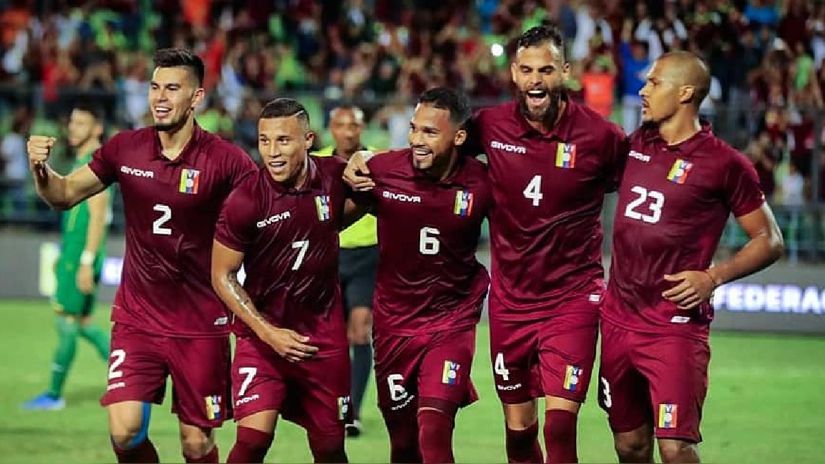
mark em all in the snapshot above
pixel 173 96
pixel 283 143
pixel 433 137
pixel 539 73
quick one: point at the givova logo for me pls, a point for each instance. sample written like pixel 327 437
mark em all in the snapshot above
pixel 509 148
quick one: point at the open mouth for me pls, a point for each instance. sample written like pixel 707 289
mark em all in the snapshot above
pixel 537 97
pixel 421 153
pixel 162 112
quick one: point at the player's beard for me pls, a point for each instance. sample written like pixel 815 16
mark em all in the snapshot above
pixel 174 125
pixel 548 118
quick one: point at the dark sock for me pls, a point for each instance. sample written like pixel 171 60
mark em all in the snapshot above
pixel 327 447
pixel 404 441
pixel 98 338
pixel 210 457
pixel 523 445
pixel 251 445
pixel 560 436
pixel 361 368
pixel 143 452
pixel 435 435
pixel 67 329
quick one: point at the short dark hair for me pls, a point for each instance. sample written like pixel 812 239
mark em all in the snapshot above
pixel 175 57
pixel 542 34
pixel 284 108
pixel 87 107
pixel 451 100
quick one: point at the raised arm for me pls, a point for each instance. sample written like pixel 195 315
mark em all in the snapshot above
pixel 60 192
pixel 225 265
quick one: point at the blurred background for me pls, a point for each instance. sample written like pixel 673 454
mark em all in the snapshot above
pixel 767 59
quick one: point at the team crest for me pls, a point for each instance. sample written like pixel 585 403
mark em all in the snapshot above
pixel 449 376
pixel 566 155
pixel 189 181
pixel 463 205
pixel 322 207
pixel 668 415
pixel 343 407
pixel 571 378
pixel 213 407
pixel 679 171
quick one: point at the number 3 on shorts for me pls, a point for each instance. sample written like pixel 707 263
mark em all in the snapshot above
pixel 117 357
pixel 606 399
pixel 499 369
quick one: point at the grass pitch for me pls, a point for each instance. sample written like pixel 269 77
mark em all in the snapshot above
pixel 766 404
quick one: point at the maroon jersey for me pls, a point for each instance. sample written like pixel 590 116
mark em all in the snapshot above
pixel 290 240
pixel 545 228
pixel 673 204
pixel 428 278
pixel 171 207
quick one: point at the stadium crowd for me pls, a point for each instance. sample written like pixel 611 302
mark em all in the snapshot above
pixel 765 56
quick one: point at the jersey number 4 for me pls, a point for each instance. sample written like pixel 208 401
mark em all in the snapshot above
pixel 655 200
pixel 533 190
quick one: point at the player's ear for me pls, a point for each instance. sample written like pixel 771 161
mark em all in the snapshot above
pixel 460 137
pixel 686 93
pixel 197 97
pixel 309 139
pixel 513 69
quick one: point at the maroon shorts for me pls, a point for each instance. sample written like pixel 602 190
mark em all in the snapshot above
pixel 545 357
pixel 139 363
pixel 646 377
pixel 424 369
pixel 314 394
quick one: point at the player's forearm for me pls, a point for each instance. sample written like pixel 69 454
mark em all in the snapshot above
pixel 238 301
pixel 98 212
pixel 760 252
pixel 50 186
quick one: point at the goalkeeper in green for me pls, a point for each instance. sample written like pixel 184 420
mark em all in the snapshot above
pixel 83 233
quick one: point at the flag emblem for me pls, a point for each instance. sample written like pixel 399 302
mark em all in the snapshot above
pixel 449 375
pixel 571 378
pixel 463 203
pixel 343 407
pixel 679 171
pixel 213 407
pixel 189 181
pixel 668 415
pixel 566 155
pixel 322 207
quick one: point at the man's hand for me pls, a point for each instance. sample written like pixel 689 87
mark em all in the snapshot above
pixel 39 148
pixel 288 343
pixel 360 326
pixel 694 288
pixel 356 173
pixel 85 279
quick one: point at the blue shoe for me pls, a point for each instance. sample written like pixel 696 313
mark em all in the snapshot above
pixel 45 402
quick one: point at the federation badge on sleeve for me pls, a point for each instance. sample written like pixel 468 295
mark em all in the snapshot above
pixel 213 407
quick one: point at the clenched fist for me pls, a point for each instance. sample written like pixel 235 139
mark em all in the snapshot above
pixel 39 148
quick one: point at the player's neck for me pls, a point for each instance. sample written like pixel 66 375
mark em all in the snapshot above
pixel 545 128
pixel 172 142
pixel 679 128
pixel 87 147
pixel 439 173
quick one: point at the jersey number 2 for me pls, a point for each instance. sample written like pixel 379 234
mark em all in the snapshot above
pixel 166 215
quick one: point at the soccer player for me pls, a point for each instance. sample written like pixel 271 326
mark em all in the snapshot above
pixel 679 187
pixel 357 264
pixel 430 202
pixel 167 319
pixel 291 356
pixel 551 160
pixel 77 271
